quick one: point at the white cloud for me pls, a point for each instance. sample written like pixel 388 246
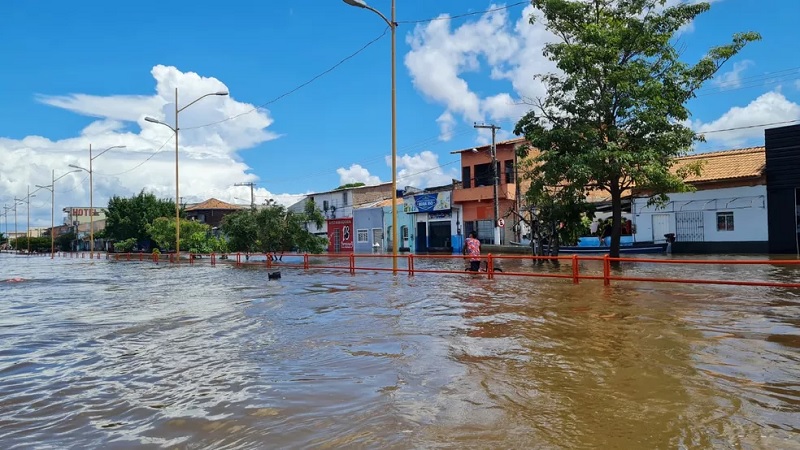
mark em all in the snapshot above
pixel 768 108
pixel 423 170
pixel 447 124
pixel 440 58
pixel 733 78
pixel 209 161
pixel 356 174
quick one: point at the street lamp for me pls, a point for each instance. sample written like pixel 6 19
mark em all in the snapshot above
pixel 52 188
pixel 6 208
pixel 91 194
pixel 393 25
pixel 177 191
pixel 27 201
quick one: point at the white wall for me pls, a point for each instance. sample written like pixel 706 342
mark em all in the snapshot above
pixel 748 205
pixel 334 199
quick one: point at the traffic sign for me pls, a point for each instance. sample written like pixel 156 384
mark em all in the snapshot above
pixel 501 223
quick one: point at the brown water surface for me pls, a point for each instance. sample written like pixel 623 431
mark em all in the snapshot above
pixel 122 355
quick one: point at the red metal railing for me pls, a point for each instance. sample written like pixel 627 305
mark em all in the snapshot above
pixel 353 263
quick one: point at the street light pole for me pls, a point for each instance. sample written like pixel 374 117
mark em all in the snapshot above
pixel 393 25
pixel 52 189
pixel 494 129
pixel 175 130
pixel 91 194
pixel 28 230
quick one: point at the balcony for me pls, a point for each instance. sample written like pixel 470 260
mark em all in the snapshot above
pixel 505 191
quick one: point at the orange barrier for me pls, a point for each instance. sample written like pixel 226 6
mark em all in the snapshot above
pixel 353 263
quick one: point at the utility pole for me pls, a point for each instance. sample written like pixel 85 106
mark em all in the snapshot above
pixel 252 192
pixel 494 129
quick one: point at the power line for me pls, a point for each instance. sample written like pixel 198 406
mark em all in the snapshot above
pixel 141 163
pixel 750 126
pixel 313 79
pixel 458 16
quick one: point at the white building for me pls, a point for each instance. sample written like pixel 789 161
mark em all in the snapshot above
pixel 727 213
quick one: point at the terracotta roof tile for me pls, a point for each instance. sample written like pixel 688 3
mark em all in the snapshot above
pixel 727 164
pixel 213 203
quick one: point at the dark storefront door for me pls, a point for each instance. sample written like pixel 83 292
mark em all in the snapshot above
pixel 422 237
pixel 439 238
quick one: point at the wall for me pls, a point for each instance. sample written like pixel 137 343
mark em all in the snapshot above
pixel 344 243
pixel 368 219
pixel 82 214
pixel 783 177
pixel 747 203
pixel 403 218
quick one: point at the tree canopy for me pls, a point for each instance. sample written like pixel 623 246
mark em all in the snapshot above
pixel 130 217
pixel 274 229
pixel 614 115
pixel 350 185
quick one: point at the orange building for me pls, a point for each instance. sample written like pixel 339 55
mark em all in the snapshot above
pixel 476 195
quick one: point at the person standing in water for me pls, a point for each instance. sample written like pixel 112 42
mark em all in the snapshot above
pixel 472 248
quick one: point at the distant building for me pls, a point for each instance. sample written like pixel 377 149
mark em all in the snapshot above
pixel 211 211
pixel 726 213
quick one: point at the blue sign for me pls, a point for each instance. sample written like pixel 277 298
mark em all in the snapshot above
pixel 425 202
pixel 439 201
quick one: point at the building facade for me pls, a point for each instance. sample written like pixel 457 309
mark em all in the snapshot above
pixel 727 213
pixel 783 188
pixel 475 196
pixel 211 212
pixel 437 221
pixel 369 230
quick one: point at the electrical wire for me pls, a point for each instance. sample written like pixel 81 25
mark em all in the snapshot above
pixel 459 16
pixel 290 92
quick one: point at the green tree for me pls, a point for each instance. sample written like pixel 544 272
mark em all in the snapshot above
pixel 129 217
pixel 195 236
pixel 350 185
pixel 241 230
pixel 274 229
pixel 614 117
pixel 64 241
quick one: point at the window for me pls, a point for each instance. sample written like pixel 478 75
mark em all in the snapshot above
pixel 404 232
pixel 483 175
pixel 362 236
pixel 344 198
pixel 725 221
pixel 509 171
pixel 325 205
pixel 466 177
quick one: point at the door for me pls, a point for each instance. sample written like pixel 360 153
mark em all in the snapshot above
pixel 689 226
pixel 660 227
pixel 422 237
pixel 337 240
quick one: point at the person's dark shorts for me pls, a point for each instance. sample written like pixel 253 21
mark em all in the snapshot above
pixel 474 266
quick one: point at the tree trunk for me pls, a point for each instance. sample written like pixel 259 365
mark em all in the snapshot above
pixel 616 219
pixel 554 239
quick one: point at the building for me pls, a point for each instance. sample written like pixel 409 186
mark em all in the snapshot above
pixel 369 230
pixel 475 196
pixel 783 188
pixel 338 206
pixel 437 221
pixel 211 211
pixel 727 212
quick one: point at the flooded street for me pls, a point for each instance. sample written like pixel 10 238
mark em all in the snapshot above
pixel 103 354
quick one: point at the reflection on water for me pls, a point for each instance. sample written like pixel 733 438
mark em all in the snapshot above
pixel 121 355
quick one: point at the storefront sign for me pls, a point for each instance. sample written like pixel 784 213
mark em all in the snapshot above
pixel 439 201
pixel 439 215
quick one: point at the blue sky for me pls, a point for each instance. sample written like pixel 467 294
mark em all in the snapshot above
pixel 76 73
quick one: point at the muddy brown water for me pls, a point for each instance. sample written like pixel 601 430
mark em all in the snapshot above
pixel 103 354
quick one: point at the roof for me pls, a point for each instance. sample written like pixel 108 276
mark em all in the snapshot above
pixel 213 203
pixel 726 165
pixel 388 183
pixel 508 142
